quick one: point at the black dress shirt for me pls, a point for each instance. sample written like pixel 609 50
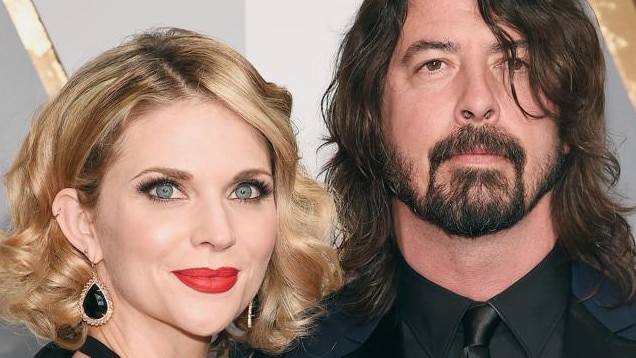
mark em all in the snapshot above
pixel 532 312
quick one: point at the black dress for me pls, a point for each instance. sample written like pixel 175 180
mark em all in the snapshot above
pixel 92 348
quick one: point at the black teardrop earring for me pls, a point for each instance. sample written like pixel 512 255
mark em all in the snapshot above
pixel 95 305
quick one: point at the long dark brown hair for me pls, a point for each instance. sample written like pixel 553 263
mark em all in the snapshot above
pixel 566 68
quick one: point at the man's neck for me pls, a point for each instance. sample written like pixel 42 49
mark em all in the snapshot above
pixel 477 268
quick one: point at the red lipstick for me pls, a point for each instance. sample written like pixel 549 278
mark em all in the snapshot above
pixel 208 280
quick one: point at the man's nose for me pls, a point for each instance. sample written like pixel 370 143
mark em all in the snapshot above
pixel 478 97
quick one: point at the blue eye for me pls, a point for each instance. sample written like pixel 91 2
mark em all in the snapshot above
pixel 164 190
pixel 246 191
pixel 251 190
pixel 161 189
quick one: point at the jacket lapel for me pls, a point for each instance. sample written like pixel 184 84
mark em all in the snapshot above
pixel 601 298
pixel 384 341
pixel 586 337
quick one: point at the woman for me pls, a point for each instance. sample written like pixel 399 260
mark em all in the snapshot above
pixel 158 206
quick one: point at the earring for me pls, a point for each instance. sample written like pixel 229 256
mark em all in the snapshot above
pixel 249 315
pixel 94 304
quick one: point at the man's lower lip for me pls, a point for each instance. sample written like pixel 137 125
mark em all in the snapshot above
pixel 208 284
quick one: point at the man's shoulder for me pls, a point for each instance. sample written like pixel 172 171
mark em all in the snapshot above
pixel 602 299
pixel 586 336
pixel 336 335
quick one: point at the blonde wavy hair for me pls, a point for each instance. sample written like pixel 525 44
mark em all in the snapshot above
pixel 74 138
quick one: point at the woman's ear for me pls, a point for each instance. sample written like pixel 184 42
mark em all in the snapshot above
pixel 76 224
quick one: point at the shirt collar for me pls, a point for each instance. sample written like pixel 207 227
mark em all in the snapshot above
pixel 432 312
pixel 530 308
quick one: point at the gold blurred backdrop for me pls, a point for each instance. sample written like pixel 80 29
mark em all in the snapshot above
pixel 617 20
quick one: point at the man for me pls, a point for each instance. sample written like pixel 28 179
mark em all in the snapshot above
pixel 472 173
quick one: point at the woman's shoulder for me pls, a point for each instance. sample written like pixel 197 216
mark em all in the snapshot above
pixel 52 350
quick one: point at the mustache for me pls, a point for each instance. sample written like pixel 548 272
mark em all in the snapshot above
pixel 477 138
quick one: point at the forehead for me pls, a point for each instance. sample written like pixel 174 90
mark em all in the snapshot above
pixel 192 132
pixel 432 10
pixel 448 21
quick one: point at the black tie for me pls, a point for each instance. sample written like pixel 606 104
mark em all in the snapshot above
pixel 479 325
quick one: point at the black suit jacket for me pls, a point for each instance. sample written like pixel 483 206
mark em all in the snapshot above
pixel 610 333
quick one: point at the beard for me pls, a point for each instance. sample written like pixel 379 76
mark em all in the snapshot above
pixel 472 202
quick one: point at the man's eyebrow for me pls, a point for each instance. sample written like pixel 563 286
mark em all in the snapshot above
pixel 423 45
pixel 517 45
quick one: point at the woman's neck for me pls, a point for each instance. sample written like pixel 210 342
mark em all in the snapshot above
pixel 134 339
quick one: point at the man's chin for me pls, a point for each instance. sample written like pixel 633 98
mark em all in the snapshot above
pixel 474 218
pixel 473 231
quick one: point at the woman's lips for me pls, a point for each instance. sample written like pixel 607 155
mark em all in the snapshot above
pixel 208 280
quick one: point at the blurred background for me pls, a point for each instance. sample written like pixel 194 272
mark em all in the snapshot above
pixel 292 43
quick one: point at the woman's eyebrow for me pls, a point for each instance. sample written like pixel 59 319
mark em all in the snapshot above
pixel 169 172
